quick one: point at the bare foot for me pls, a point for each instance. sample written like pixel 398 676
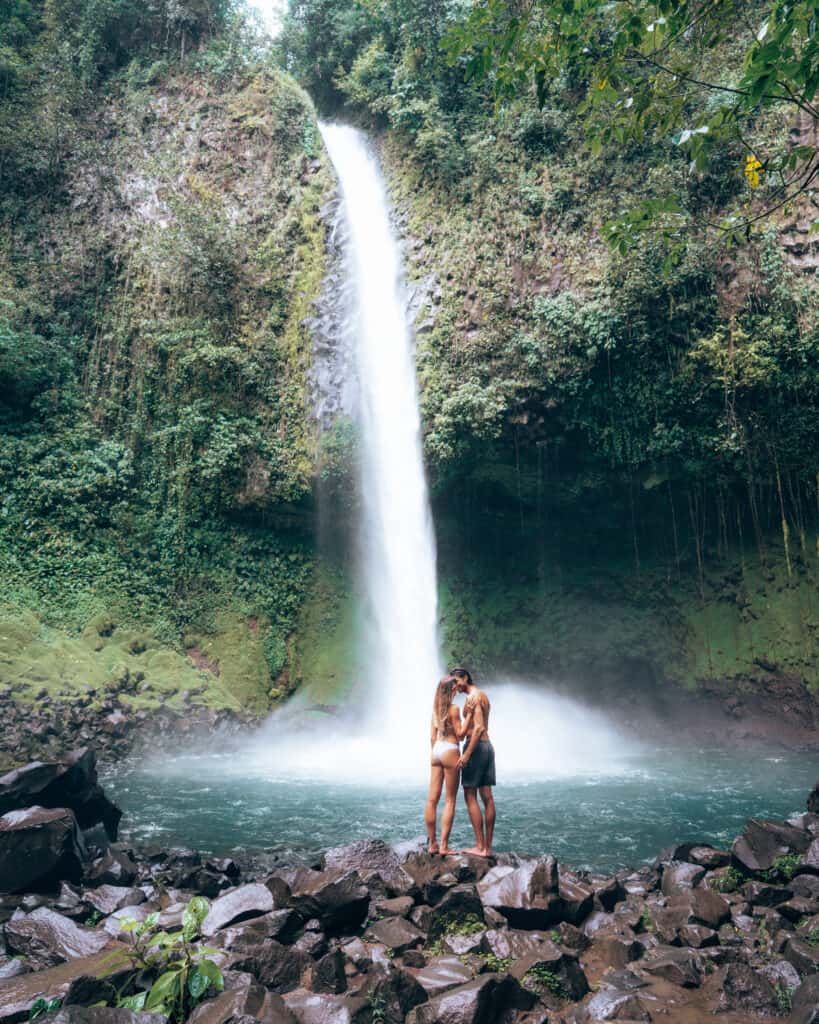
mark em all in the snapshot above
pixel 446 852
pixel 474 851
pixel 433 848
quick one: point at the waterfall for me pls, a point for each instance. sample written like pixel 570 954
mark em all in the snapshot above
pixel 397 544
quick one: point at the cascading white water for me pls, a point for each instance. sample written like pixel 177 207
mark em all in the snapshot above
pixel 397 541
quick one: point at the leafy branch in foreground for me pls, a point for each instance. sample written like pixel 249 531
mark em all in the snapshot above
pixel 641 69
pixel 166 972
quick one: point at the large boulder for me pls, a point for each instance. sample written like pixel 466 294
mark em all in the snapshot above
pixel 276 966
pixel 763 842
pixel 441 974
pixel 805 1005
pixel 107 899
pixel 335 897
pixel 239 904
pixel 526 895
pixel 371 858
pixel 394 991
pixel 803 955
pixel 243 997
pixel 69 781
pixel 679 966
pixel 46 938
pixel 315 1008
pixel 515 943
pixel 18 994
pixel 486 999
pixel 746 990
pixel 39 847
pixel 681 875
pixel 460 903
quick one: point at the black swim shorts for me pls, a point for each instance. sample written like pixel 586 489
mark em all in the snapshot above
pixel 480 769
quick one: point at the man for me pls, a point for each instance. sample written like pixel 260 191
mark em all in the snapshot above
pixel 477 764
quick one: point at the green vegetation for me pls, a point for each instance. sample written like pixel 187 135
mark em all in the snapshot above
pixel 177 968
pixel 785 867
pixel 542 977
pixel 40 1007
pixel 728 881
pixel 497 964
pixel 452 924
pixel 813 937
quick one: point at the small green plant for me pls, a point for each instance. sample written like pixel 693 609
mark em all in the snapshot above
pixel 497 964
pixel 784 997
pixel 813 937
pixel 554 935
pixel 729 881
pixel 783 868
pixel 93 919
pixel 183 975
pixel 646 922
pixel 40 1007
pixel 544 978
pixel 453 924
pixel 378 1009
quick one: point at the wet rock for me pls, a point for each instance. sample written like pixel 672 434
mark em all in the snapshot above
pixel 69 781
pixel 681 875
pixel 576 900
pixel 679 966
pixel 100 1015
pixel 810 861
pixel 616 951
pixel 243 997
pixel 396 933
pixel 806 886
pixel 805 1005
pixel 463 945
pixel 763 842
pixel 612 1003
pixel 19 993
pixel 704 906
pixel 458 903
pixel 748 991
pixel 513 943
pixel 441 974
pixel 394 991
pixel 697 936
pixel 10 967
pixel 398 906
pixel 336 898
pixel 527 895
pixel 107 899
pixel 46 938
pixel 608 893
pixel 328 974
pixel 311 1008
pixel 812 803
pixel 246 901
pixel 113 924
pixel 709 858
pixel 553 970
pixel 484 1000
pixel 114 867
pixel 276 966
pixel 282 925
pixel 761 894
pixel 781 975
pixel 802 954
pixel 798 909
pixel 39 847
pixel 371 858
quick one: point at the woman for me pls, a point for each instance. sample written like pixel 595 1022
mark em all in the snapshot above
pixel 447 730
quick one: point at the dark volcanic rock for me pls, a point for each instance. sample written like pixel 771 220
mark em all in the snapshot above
pixel 328 974
pixel 39 847
pixel 679 966
pixel 513 943
pixel 612 1003
pixel 100 1015
pixel 458 903
pixel 681 875
pixel 527 895
pixel 336 898
pixel 47 938
pixel 114 867
pixel 744 989
pixel 239 904
pixel 109 898
pixel 395 991
pixel 805 1006
pixel 441 974
pixel 18 994
pixel 70 781
pixel 560 965
pixel 282 925
pixel 312 1008
pixel 812 802
pixel 371 857
pixel 803 955
pixel 484 1000
pixel 243 997
pixel 276 966
pixel 396 933
pixel 763 842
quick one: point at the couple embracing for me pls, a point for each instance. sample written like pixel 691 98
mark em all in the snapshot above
pixel 474 765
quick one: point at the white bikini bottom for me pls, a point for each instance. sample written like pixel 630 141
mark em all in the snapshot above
pixel 442 747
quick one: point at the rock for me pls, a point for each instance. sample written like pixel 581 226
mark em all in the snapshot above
pixel 398 906
pixel 113 924
pixel 39 847
pixel 746 990
pixel 681 875
pixel 11 967
pixel 810 862
pixel 812 803
pixel 276 966
pixel 697 936
pixel 615 951
pixel 761 894
pixel 527 895
pixel 513 943
pixel 781 975
pixel 394 991
pixel 47 938
pixel 458 903
pixel 243 997
pixel 576 900
pixel 18 994
pixel 336 898
pixel 107 899
pixel 704 906
pixel 70 782
pixel 115 867
pixel 806 886
pixel 239 904
pixel 679 966
pixel 484 1000
pixel 803 955
pixel 328 974
pixel 798 909
pixel 441 974
pixel 396 933
pixel 709 858
pixel 282 925
pixel 612 1003
pixel 763 842
pixel 100 1015
pixel 370 858
pixel 805 1004
pixel 608 893
pixel 310 1008
pixel 463 945
pixel 566 978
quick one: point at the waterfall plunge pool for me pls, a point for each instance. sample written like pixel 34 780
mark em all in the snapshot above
pixel 601 820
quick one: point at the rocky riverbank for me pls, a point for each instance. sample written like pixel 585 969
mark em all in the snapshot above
pixel 373 933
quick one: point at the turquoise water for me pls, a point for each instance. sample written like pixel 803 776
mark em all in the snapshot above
pixel 600 821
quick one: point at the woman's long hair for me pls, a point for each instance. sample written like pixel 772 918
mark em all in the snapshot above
pixel 440 705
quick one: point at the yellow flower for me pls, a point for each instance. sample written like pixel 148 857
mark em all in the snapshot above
pixel 602 83
pixel 753 171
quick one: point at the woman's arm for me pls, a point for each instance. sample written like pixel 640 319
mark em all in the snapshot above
pixel 460 729
pixel 432 733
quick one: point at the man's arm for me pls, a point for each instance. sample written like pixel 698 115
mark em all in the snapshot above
pixel 477 728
